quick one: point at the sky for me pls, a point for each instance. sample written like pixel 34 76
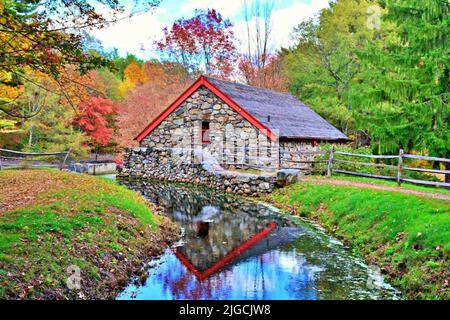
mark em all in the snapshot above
pixel 137 34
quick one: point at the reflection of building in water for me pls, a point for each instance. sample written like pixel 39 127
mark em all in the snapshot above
pixel 204 265
pixel 216 235
pixel 289 262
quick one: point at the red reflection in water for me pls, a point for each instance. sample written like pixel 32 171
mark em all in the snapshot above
pixel 228 258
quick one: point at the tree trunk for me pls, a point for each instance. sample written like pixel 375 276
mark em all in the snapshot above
pixel 30 136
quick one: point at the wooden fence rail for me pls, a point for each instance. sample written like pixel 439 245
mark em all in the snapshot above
pixel 241 157
pixel 400 168
pixel 338 157
pixel 25 156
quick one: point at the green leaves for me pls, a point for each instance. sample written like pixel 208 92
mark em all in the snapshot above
pixel 405 80
pixel 388 84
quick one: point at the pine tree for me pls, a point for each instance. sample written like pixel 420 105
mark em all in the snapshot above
pixel 402 95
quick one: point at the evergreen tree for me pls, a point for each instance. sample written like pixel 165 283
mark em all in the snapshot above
pixel 401 97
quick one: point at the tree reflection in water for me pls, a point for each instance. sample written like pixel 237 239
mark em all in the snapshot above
pixel 240 249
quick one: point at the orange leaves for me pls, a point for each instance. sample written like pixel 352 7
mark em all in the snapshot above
pixel 76 87
pixel 134 74
pixel 141 105
pixel 271 76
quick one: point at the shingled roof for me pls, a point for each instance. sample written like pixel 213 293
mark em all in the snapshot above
pixel 278 114
pixel 290 117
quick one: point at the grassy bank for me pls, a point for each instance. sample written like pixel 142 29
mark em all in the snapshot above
pixel 406 235
pixel 52 220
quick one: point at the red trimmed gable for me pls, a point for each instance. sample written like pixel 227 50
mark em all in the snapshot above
pixel 227 258
pixel 202 81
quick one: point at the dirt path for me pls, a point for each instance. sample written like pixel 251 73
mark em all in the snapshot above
pixel 375 186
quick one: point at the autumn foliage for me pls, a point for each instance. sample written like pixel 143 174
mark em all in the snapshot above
pixel 203 42
pixel 84 98
pixel 271 76
pixel 146 102
pixel 93 119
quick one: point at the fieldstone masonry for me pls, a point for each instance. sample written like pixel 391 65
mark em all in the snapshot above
pixel 175 151
pixel 170 165
pixel 234 141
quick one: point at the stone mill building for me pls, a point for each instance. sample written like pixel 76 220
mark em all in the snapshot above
pixel 232 126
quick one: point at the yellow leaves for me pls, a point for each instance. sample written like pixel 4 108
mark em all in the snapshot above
pixel 8 93
pixel 124 87
pixel 134 76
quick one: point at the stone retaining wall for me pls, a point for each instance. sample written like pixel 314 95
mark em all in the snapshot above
pixel 170 165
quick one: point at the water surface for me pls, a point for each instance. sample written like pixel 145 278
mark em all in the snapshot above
pixel 234 248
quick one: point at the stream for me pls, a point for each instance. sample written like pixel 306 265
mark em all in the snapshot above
pixel 234 248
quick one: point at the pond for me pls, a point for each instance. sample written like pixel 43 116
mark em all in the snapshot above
pixel 234 248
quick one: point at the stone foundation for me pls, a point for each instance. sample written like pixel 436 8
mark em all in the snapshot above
pixel 172 165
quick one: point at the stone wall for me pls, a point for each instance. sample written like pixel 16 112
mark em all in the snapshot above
pixel 291 151
pixel 171 165
pixel 173 151
pixel 233 139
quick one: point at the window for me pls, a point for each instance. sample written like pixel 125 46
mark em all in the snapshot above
pixel 206 139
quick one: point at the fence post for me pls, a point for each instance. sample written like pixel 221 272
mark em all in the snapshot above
pixel 330 161
pixel 400 167
pixel 65 159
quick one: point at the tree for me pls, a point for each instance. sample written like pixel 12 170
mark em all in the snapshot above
pixel 165 82
pixel 35 98
pixel 110 82
pixel 272 76
pixel 323 64
pixel 93 119
pixel 53 130
pixel 122 63
pixel 203 43
pixel 134 74
pixel 402 96
pixel 47 123
pixel 44 36
pixel 258 20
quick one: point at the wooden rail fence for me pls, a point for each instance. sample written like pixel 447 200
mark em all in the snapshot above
pixel 14 158
pixel 270 158
pixel 400 168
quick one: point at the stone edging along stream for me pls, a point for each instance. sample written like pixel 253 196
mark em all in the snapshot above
pixel 169 165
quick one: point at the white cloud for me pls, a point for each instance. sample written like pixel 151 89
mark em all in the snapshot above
pixel 134 35
pixel 227 8
pixel 283 22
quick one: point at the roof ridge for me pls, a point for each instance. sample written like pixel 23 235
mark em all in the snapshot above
pixel 249 86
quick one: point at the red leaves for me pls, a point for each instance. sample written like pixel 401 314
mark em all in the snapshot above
pixel 205 40
pixel 93 118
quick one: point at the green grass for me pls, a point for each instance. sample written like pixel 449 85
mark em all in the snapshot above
pixel 409 236
pixel 92 223
pixel 404 185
